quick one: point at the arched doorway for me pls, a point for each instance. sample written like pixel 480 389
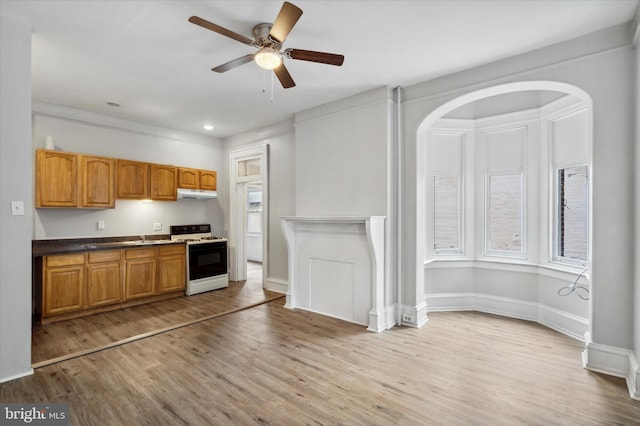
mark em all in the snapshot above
pixel 482 295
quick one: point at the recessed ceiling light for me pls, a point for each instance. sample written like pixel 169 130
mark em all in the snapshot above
pixel 113 104
pixel 208 127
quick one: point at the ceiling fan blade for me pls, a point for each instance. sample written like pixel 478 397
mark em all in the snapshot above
pixel 286 19
pixel 220 30
pixel 233 64
pixel 283 75
pixel 311 56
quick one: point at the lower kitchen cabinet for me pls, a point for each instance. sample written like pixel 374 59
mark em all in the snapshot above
pixel 171 268
pixel 104 278
pixel 140 272
pixel 63 289
pixel 81 284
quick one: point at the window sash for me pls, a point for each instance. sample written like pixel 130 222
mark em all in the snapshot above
pixel 505 215
pixel 447 215
pixel 571 227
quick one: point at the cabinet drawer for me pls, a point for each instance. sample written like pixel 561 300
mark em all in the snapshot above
pixel 104 256
pixel 171 249
pixel 142 253
pixel 64 260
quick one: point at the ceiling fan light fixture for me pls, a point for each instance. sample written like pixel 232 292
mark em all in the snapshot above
pixel 268 58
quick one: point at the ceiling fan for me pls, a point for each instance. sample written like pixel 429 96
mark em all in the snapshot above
pixel 268 38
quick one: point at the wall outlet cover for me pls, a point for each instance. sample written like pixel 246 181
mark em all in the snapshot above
pixel 157 226
pixel 17 208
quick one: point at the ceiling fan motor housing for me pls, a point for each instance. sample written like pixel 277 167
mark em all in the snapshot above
pixel 261 35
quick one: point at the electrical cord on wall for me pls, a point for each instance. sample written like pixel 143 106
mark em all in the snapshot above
pixel 581 290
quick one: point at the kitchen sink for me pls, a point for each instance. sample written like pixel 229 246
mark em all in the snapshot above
pixel 145 242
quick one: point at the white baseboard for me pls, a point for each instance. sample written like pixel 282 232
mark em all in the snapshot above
pixel 564 322
pixel 414 316
pixel 606 359
pixel 633 377
pixel 17 376
pixel 507 307
pixel 277 285
pixel 382 320
pixel 613 361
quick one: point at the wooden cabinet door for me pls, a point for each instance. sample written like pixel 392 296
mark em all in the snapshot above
pixel 104 285
pixel 140 273
pixel 132 180
pixel 188 178
pixel 172 270
pixel 140 278
pixel 164 182
pixel 104 277
pixel 63 289
pixel 208 180
pixel 98 182
pixel 56 179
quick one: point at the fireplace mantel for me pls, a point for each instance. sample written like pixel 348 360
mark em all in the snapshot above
pixel 336 267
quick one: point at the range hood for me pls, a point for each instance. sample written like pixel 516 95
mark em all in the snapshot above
pixel 200 194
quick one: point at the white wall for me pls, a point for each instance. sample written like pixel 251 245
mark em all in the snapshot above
pixel 341 157
pixel 16 175
pixel 93 134
pixel 612 313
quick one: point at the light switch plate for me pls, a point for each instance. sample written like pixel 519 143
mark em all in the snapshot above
pixel 100 224
pixel 17 208
pixel 157 226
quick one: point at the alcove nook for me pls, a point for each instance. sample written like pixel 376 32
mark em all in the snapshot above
pixel 507 204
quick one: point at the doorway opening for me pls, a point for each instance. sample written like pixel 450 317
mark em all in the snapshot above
pixel 248 219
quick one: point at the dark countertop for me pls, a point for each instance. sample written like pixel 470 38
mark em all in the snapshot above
pixel 76 245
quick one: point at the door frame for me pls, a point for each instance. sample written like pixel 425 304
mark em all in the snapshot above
pixel 237 209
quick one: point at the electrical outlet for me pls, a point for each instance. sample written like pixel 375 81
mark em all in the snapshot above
pixel 157 226
pixel 17 208
pixel 100 225
pixel 407 318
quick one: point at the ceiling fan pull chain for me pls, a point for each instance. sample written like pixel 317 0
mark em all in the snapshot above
pixel 264 81
pixel 272 73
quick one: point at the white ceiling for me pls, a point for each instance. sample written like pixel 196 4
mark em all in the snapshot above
pixel 144 55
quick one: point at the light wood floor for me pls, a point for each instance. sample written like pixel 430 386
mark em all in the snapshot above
pixel 271 365
pixel 69 338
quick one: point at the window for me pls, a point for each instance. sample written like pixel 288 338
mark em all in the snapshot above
pixel 249 167
pixel 572 215
pixel 446 217
pixel 504 215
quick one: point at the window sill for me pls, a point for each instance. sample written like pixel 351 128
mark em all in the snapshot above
pixel 554 270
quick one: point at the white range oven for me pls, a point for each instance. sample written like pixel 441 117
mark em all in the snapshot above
pixel 206 258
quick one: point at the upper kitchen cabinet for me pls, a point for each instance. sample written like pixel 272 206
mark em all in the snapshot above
pixel 164 182
pixel 208 180
pixel 98 182
pixel 140 181
pixel 197 179
pixel 56 179
pixel 133 180
pixel 188 178
pixel 66 179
